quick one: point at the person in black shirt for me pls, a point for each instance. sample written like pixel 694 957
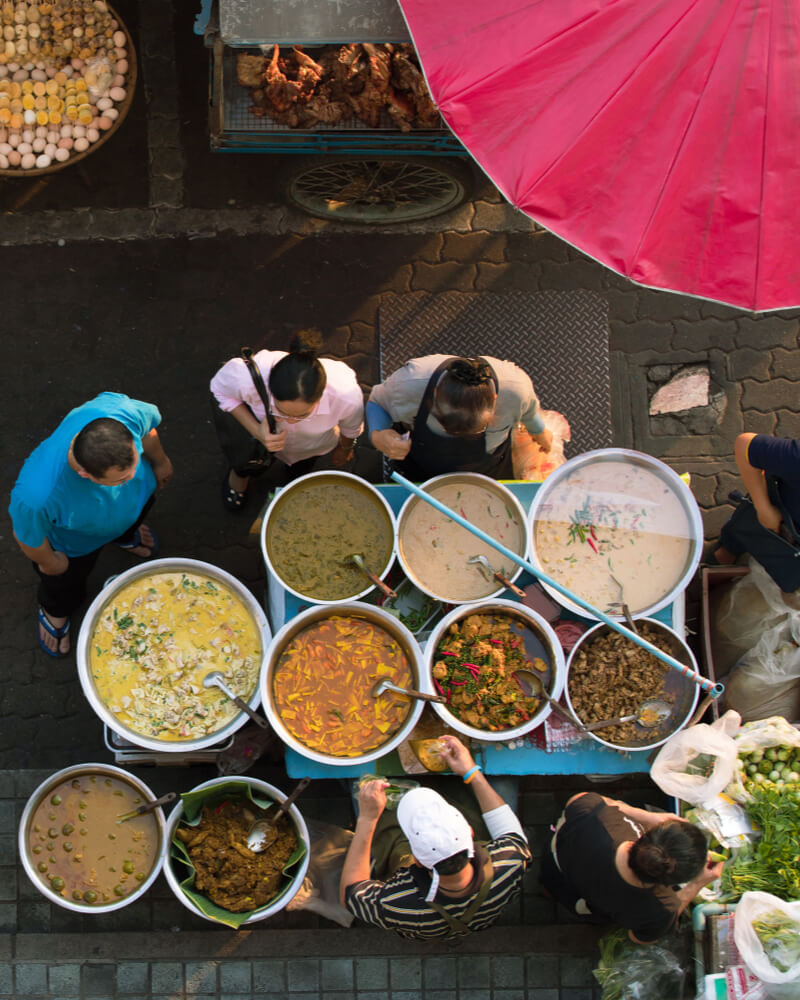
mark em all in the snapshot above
pixel 611 862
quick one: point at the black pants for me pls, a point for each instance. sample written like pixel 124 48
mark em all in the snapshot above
pixel 551 877
pixel 63 594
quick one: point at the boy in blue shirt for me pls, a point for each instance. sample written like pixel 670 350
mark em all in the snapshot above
pixel 91 482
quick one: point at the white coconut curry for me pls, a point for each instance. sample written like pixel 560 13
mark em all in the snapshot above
pixel 614 531
pixel 154 642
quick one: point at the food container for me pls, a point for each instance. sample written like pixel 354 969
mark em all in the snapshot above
pixel 176 870
pixel 540 641
pixel 113 587
pixel 616 525
pixel 434 551
pixel 30 860
pixel 679 690
pixel 311 616
pixel 353 536
pixel 415 609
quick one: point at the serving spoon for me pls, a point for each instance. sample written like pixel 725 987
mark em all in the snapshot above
pixel 262 834
pixel 215 679
pixel 147 807
pixel 490 573
pixel 651 713
pixel 379 687
pixel 358 559
pixel 533 687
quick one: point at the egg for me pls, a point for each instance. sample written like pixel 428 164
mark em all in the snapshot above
pixel 29 117
pixel 118 80
pixel 121 53
pixel 38 145
pixel 65 142
pixel 81 143
pixel 14 139
pixel 112 113
pixel 122 67
pixel 39 74
pixel 65 131
pixel 14 158
pixel 28 135
pixel 3 161
pixel 50 149
pixel 5 148
pixel 78 131
pixel 21 74
pixel 53 136
pixel 120 39
pixel 104 104
pixel 4 71
pixel 117 93
pixel 43 161
pixel 61 153
pixel 25 147
pixel 28 161
pixel 40 132
pixel 104 124
pixel 92 134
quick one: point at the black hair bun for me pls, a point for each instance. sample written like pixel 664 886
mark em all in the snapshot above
pixel 470 371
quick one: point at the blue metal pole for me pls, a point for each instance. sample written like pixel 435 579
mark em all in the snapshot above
pixel 715 690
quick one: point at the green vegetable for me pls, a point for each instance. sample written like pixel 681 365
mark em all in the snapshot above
pixel 780 937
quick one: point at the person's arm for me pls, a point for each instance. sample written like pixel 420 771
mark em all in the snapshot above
pixel 49 561
pixel 756 485
pixel 642 816
pixel 257 429
pixel 710 872
pixel 371 803
pixel 343 451
pixel 383 438
pixel 157 457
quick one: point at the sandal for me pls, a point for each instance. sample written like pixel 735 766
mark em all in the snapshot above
pixel 138 543
pixel 57 633
pixel 232 499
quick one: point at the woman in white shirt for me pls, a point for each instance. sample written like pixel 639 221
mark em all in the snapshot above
pixel 316 404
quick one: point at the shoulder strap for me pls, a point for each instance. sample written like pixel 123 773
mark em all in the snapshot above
pixel 460 925
pixel 258 382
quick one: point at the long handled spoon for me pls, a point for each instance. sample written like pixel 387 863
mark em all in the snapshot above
pixel 492 573
pixel 214 679
pixel 379 687
pixel 532 686
pixel 262 834
pixel 147 807
pixel 358 559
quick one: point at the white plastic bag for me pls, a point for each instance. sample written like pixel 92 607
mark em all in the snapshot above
pixel 778 964
pixel 766 680
pixel 529 461
pixel 760 735
pixel 697 763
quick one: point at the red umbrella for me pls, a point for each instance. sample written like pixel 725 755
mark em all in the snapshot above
pixel 661 138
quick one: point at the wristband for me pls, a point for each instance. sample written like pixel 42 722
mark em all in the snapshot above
pixel 470 775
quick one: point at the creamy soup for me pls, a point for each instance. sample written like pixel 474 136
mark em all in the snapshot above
pixel 157 639
pixel 613 532
pixel 79 850
pixel 436 550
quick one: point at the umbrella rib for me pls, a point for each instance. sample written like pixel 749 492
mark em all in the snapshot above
pixel 674 160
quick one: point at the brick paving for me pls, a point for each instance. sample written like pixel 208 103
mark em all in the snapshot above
pixel 146 285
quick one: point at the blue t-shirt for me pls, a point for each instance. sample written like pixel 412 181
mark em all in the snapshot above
pixel 779 457
pixel 50 500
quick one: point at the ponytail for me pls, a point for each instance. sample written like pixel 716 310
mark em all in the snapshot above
pixel 465 396
pixel 300 375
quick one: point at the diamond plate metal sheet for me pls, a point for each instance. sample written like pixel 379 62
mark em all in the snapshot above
pixel 559 338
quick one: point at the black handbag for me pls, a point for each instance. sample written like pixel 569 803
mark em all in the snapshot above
pixel 245 455
pixel 779 554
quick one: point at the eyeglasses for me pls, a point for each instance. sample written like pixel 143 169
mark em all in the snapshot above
pixel 290 418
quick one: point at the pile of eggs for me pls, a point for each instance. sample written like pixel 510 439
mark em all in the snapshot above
pixel 64 101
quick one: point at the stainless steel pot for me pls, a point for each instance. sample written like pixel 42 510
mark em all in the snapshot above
pixel 544 500
pixel 171 565
pixel 473 545
pixel 44 789
pixel 322 479
pixel 681 691
pixel 554 680
pixel 175 872
pixel 375 616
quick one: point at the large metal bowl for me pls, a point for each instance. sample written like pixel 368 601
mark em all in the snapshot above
pixel 44 789
pixel 554 682
pixel 473 544
pixel 322 479
pixel 545 507
pixel 171 565
pixel 681 691
pixel 375 616
pixel 263 790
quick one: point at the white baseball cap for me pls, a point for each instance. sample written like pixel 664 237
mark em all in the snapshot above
pixel 435 830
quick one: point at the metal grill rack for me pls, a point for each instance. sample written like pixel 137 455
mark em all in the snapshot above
pixel 126 752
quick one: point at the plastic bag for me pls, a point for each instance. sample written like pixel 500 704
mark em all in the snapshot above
pixel 767 933
pixel 696 764
pixel 766 680
pixel 629 971
pixel 529 461
pixel 320 889
pixel 760 735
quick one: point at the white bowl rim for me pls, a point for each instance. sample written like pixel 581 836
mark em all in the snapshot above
pixel 57 778
pixel 355 608
pixel 692 663
pixel 279 494
pixel 559 668
pixel 167 564
pixel 413 498
pixel 272 792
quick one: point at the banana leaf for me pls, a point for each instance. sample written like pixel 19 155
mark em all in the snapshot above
pixel 193 803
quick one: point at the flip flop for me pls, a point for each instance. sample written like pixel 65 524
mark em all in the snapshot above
pixel 137 541
pixel 57 633
pixel 232 499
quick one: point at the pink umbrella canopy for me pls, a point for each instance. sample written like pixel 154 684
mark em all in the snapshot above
pixel 661 138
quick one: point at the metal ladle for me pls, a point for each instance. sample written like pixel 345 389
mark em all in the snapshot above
pixel 379 687
pixel 262 834
pixel 492 573
pixel 214 679
pixel 651 713
pixel 358 559
pixel 533 687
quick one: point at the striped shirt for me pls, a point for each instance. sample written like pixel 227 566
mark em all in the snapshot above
pixel 399 904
